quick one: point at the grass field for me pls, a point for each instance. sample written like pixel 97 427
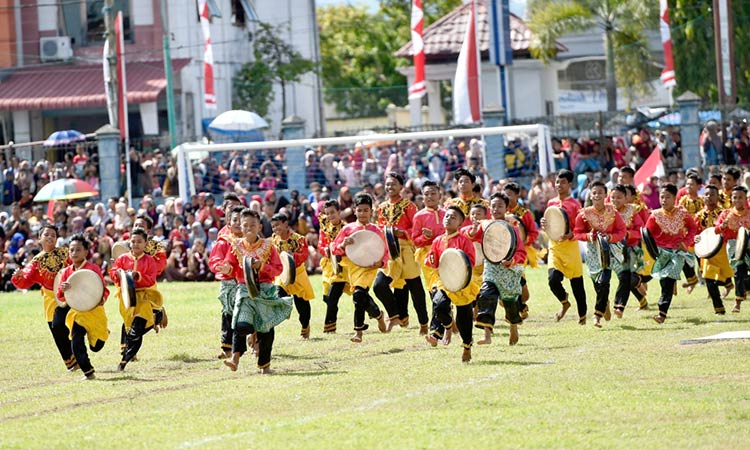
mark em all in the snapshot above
pixel 628 385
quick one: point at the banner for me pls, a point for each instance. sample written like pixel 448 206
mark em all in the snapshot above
pixel 122 85
pixel 209 95
pixel 667 75
pixel 653 165
pixel 418 88
pixel 466 98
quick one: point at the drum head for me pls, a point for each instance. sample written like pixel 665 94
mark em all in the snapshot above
pixel 120 248
pixel 499 241
pixel 558 224
pixel 602 246
pixel 478 255
pixel 127 288
pixel 55 285
pixel 740 246
pixel 454 270
pixel 394 248
pixel 288 269
pixel 515 220
pixel 251 279
pixel 368 248
pixel 709 244
pixel 649 243
pixel 86 290
pixel 335 260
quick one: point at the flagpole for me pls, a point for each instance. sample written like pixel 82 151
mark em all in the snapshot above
pixel 168 75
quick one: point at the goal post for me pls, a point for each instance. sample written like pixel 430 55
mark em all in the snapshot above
pixel 494 138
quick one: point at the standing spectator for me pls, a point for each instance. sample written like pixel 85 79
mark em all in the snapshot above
pixel 11 192
pixel 347 174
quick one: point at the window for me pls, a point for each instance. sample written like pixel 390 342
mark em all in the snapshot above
pixel 243 11
pixel 213 10
pixel 84 21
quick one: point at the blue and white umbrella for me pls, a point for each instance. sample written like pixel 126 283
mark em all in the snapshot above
pixel 64 137
pixel 237 126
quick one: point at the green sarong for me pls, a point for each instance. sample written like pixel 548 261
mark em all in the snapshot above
pixel 262 312
pixel 669 263
pixel 227 291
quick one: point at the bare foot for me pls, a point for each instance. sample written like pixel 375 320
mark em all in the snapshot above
pixel 597 321
pixel 659 319
pixel 582 320
pixel 454 327
pixel 737 304
pixel 305 334
pixel 690 288
pixel 727 290
pixel 423 330
pixel 564 309
pixel 513 339
pixel 618 312
pixel 447 336
pixel 357 337
pixel 224 355
pixel 233 362
pixel 381 324
pixel 487 337
pixel 404 322
pixel 266 371
pixel 607 313
pixel 432 340
pixel 466 355
pixel 393 323
pixel 88 377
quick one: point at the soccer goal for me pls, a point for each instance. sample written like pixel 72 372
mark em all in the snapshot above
pixel 536 138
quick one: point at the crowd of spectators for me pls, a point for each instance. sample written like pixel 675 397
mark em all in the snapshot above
pixel 188 230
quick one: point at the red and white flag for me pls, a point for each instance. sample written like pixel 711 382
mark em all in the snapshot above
pixel 667 75
pixel 209 95
pixel 418 88
pixel 466 98
pixel 653 165
pixel 122 82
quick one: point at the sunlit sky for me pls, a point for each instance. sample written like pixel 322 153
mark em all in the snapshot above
pixel 517 7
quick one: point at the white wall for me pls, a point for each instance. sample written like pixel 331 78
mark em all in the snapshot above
pixel 143 11
pixel 47 15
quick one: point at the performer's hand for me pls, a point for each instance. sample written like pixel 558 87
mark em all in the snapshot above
pixel 426 232
pixel 508 264
pixel 16 273
pixel 225 268
pixel 697 238
pixel 568 236
pixel 64 286
pixel 346 242
pixel 257 264
pixel 399 233
pixel 136 276
pixel 543 223
pixel 723 226
pixel 475 227
pixel 682 247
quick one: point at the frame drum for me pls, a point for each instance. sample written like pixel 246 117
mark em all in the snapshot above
pixel 394 248
pixel 709 245
pixel 650 243
pixel 55 285
pixel 335 260
pixel 86 290
pixel 127 288
pixel 454 270
pixel 368 248
pixel 558 223
pixel 288 269
pixel 251 277
pixel 478 255
pixel 499 241
pixel 119 248
pixel 602 247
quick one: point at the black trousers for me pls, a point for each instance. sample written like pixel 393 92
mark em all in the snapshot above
pixel 441 310
pixel 265 342
pixel 487 302
pixel 555 279
pixel 61 336
pixel 227 334
pixel 415 288
pixel 741 279
pixel 363 303
pixel 627 283
pixel 78 347
pixel 331 300
pixel 667 291
pixel 303 309
pixel 712 286
pixel 382 289
pixel 134 338
pixel 601 286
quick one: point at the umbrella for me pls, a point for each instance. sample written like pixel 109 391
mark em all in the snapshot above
pixel 237 126
pixel 64 137
pixel 65 189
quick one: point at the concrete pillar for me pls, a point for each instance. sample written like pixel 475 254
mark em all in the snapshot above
pixel 690 129
pixel 433 102
pixel 22 133
pixel 108 141
pixel 494 151
pixel 293 127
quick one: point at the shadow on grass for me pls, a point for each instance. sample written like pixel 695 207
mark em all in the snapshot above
pixel 495 362
pixel 300 357
pixel 393 350
pixel 126 378
pixel 309 373
pixel 184 357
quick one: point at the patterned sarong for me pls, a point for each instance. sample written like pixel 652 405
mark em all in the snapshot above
pixel 227 292
pixel 262 312
pixel 732 255
pixel 669 263
pixel 506 280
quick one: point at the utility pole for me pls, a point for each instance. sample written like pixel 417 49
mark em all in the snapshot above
pixel 109 23
pixel 168 74
pixel 724 43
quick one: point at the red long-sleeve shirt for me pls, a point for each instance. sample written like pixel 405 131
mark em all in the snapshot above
pixel 446 241
pixel 143 265
pixel 570 205
pixel 427 218
pixel 527 218
pixel 69 270
pixel 261 249
pixel 608 221
pixel 222 248
pixel 670 229
pixel 734 220
pixel 42 269
pixel 633 224
pixel 398 214
pixel 295 244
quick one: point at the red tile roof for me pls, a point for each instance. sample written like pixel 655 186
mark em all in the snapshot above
pixel 443 38
pixel 79 86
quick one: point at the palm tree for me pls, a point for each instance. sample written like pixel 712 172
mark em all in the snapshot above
pixel 623 23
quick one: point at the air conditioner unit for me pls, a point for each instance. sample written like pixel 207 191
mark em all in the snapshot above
pixel 55 48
